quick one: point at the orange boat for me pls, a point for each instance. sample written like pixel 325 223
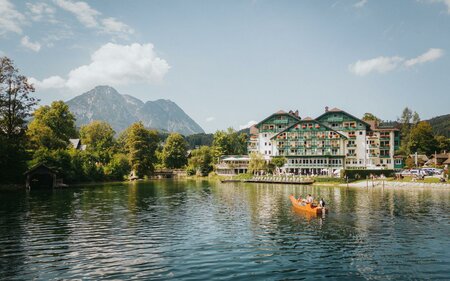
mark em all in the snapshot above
pixel 310 208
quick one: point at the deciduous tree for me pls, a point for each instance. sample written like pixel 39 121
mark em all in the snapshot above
pixel 52 126
pixel 422 139
pixel 16 104
pixel 141 144
pixel 174 153
pixel 98 136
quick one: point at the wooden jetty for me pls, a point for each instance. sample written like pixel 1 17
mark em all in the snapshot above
pixel 275 180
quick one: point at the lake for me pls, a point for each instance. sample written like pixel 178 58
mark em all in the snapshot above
pixel 200 230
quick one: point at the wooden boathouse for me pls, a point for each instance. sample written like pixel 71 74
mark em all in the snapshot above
pixel 41 176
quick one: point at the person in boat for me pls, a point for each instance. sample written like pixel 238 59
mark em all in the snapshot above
pixel 309 199
pixel 322 203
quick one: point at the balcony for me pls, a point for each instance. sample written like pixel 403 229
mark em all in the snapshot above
pixel 284 121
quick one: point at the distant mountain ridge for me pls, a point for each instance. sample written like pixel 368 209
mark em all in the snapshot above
pixel 441 125
pixel 120 111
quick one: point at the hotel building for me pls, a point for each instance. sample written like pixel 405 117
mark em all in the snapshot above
pixel 333 141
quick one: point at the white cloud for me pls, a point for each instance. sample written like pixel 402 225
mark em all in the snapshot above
pixel 386 64
pixel 10 19
pixel 111 25
pixel 34 46
pixel 445 2
pixel 114 65
pixel 379 64
pixel 360 4
pixel 248 125
pixel 210 119
pixel 53 82
pixel 41 11
pixel 90 17
pixel 82 11
pixel 430 55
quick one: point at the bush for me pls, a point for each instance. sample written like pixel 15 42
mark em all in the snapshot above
pixel 362 174
pixel 118 167
pixel 190 171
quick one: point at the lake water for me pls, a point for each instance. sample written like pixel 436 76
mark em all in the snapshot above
pixel 188 230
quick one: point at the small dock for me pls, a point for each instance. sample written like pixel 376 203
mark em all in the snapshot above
pixel 275 180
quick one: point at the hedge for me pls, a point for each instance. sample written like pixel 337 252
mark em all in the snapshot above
pixel 362 174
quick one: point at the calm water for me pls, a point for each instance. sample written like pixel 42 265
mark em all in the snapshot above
pixel 203 231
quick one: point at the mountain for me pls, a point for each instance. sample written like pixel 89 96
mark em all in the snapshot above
pixel 120 111
pixel 441 125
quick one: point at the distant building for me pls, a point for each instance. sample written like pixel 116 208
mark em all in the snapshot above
pixel 438 159
pixel 335 140
pixel 76 143
pixel 232 165
pixel 41 176
pixel 419 160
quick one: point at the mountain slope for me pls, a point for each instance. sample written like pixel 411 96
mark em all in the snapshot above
pixel 120 111
pixel 441 125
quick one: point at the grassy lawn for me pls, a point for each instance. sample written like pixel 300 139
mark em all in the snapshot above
pixel 410 179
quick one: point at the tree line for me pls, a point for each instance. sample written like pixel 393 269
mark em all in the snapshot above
pixel 29 137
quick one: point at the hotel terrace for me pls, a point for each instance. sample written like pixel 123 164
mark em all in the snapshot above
pixel 323 146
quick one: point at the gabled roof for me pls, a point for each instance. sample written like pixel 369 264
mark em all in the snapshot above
pixel 280 112
pixel 308 121
pixel 37 166
pixel 75 142
pixel 334 110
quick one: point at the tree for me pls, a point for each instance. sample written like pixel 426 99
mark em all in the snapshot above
pixel 118 167
pixel 98 136
pixel 141 145
pixel 229 142
pixel 405 121
pixel 443 143
pixel 257 163
pixel 174 153
pixel 370 117
pixel 278 161
pixel 415 118
pixel 52 126
pixel 16 104
pixel 200 160
pixel 422 139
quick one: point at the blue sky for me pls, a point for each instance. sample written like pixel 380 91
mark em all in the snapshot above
pixel 228 63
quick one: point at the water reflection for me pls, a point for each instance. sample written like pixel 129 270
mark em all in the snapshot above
pixel 205 230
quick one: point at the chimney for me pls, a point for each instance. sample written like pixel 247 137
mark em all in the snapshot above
pixel 296 113
pixel 326 108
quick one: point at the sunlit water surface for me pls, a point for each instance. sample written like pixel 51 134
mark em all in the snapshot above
pixel 189 230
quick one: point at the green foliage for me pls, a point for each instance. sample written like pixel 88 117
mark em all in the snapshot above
pixel 441 125
pixel 278 161
pixel 197 140
pixel 405 121
pixel 118 167
pixel 422 139
pixel 200 161
pixel 174 153
pixel 229 142
pixel 52 126
pixel 443 143
pixel 257 163
pixel 15 107
pixel 98 136
pixel 370 117
pixel 59 159
pixel 363 174
pixel 141 145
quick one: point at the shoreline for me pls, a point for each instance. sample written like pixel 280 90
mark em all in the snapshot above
pixel 397 184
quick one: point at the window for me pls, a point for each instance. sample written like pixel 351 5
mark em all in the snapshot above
pixel 360 133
